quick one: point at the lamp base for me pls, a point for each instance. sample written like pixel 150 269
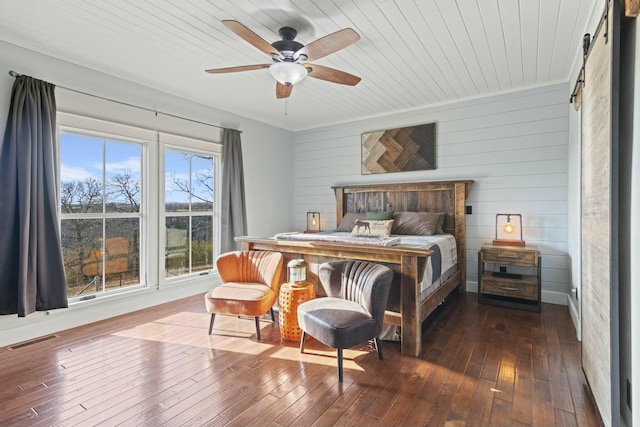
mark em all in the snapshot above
pixel 499 242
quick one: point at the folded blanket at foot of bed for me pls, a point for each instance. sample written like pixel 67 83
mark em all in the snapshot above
pixel 339 237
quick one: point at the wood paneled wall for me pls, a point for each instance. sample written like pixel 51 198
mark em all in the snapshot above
pixel 513 145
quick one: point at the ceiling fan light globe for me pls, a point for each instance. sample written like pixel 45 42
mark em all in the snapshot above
pixel 288 73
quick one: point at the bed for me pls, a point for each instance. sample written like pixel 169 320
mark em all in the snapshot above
pixel 409 304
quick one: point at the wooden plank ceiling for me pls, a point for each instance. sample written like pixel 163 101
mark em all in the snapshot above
pixel 412 53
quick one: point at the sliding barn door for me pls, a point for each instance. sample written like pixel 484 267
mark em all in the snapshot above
pixel 599 282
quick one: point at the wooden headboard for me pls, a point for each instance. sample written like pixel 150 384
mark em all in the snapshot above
pixel 426 196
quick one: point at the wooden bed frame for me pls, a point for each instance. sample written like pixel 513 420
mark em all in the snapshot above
pixel 407 261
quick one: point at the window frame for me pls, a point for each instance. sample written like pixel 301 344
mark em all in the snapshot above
pixel 173 142
pixel 104 215
pixel 152 180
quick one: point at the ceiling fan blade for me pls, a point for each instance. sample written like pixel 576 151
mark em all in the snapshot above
pixel 331 75
pixel 252 38
pixel 328 44
pixel 236 69
pixel 283 91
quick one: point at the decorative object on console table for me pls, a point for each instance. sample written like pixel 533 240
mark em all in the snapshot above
pixel 513 290
pixel 313 222
pixel 508 226
pixel 297 272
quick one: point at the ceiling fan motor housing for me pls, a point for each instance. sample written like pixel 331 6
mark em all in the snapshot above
pixel 287 46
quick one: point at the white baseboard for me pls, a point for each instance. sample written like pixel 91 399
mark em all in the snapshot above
pixel 574 311
pixel 15 329
pixel 550 297
pixel 558 298
pixel 472 287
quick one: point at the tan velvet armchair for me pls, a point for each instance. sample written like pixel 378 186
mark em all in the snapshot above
pixel 250 282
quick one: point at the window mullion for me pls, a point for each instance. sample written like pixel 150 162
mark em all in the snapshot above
pixel 104 210
pixel 104 175
pixel 190 232
pixel 104 253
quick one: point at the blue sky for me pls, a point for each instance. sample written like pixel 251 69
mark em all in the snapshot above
pixel 81 158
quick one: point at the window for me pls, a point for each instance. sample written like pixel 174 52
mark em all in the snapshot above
pixel 138 207
pixel 101 212
pixel 190 220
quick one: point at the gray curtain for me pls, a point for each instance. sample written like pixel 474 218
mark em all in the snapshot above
pixel 234 212
pixel 32 274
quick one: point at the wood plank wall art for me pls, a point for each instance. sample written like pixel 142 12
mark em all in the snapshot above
pixel 411 148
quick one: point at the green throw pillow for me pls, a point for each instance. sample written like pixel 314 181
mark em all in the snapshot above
pixel 379 216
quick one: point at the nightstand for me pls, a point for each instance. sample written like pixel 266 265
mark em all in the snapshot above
pixel 521 289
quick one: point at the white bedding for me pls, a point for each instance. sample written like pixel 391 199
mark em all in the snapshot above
pixel 339 237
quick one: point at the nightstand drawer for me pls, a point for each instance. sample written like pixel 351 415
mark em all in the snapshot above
pixel 524 289
pixel 510 256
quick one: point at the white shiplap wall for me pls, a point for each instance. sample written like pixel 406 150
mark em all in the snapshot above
pixel 514 145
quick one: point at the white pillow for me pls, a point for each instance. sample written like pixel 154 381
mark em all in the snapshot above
pixel 369 227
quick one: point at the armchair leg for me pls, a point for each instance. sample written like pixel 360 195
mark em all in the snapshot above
pixel 213 317
pixel 273 319
pixel 258 327
pixel 378 344
pixel 303 338
pixel 340 364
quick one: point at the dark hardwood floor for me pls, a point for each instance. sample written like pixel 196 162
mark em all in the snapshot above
pixel 480 365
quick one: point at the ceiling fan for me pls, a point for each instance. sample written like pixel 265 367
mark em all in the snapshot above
pixel 290 57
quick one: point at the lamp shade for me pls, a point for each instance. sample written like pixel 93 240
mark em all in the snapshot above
pixel 288 73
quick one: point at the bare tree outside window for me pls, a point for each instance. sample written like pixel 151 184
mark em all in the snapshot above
pixel 123 191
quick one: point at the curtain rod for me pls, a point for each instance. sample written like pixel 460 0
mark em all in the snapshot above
pixel 14 74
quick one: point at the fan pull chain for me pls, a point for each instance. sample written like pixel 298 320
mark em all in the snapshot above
pixel 286 106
